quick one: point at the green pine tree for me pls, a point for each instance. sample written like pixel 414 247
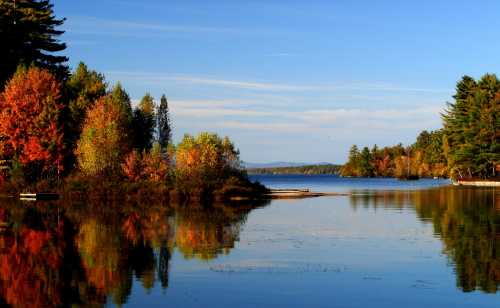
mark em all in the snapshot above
pixel 28 32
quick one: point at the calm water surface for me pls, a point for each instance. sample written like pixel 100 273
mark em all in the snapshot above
pixel 388 244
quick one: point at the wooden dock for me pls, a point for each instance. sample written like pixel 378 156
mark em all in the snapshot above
pixel 477 183
pixel 300 193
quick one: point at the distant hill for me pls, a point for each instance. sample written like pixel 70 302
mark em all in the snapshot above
pixel 279 164
pixel 305 169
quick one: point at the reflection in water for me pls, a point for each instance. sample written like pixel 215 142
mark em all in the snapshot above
pixel 91 254
pixel 35 258
pixel 467 220
pixel 206 234
pixel 56 255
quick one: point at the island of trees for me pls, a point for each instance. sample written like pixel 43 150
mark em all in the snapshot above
pixel 467 147
pixel 73 129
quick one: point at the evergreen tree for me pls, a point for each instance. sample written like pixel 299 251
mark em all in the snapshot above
pixel 365 164
pixel 351 168
pixel 143 123
pixel 29 36
pixel 471 126
pixel 122 100
pixel 164 126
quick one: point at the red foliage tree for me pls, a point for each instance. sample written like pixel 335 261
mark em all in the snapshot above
pixel 29 119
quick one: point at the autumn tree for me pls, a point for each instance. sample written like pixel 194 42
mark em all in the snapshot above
pixel 133 166
pixel 29 35
pixel 30 127
pixel 351 167
pixel 103 142
pixel 84 87
pixel 205 161
pixel 150 165
pixel 156 165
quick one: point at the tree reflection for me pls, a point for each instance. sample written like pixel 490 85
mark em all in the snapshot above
pixel 36 259
pixel 87 254
pixel 206 234
pixel 467 220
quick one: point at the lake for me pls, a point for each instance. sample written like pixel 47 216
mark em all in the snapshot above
pixel 389 243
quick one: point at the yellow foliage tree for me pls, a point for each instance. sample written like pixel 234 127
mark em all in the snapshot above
pixel 103 141
pixel 205 161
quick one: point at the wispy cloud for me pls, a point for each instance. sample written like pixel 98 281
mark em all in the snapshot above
pixel 274 119
pixel 217 112
pixel 280 54
pixel 122 25
pixel 244 84
pixel 134 28
pixel 411 114
pixel 161 78
pixel 226 103
pixel 266 126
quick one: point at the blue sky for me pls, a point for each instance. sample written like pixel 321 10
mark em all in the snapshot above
pixel 289 80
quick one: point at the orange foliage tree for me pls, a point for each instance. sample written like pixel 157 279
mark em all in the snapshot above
pixel 30 111
pixel 156 165
pixel 133 167
pixel 152 165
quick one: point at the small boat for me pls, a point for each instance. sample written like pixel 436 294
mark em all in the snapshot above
pixel 44 196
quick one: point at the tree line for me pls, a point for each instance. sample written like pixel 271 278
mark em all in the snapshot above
pixel 308 169
pixel 57 124
pixel 467 147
